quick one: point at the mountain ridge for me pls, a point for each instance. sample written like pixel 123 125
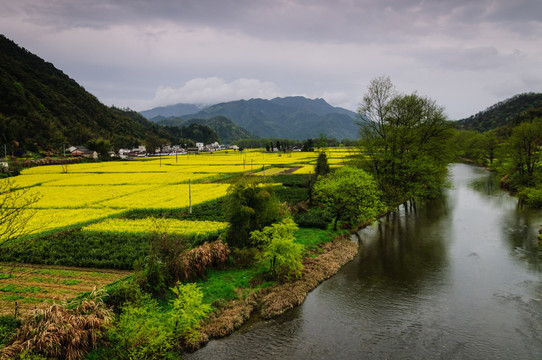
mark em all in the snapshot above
pixel 294 117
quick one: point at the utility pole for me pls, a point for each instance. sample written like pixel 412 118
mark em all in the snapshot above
pixel 190 196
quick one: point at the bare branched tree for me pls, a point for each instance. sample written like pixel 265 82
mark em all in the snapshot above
pixel 15 211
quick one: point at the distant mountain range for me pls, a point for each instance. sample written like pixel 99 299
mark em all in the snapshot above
pixel 172 110
pixel 293 117
pixel 507 113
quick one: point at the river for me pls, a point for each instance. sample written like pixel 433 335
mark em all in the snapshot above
pixel 458 278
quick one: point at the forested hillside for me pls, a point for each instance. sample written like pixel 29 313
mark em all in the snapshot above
pixel 42 109
pixel 509 112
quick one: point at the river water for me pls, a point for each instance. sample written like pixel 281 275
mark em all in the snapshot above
pixel 458 278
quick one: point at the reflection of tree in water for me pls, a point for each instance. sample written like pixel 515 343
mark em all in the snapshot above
pixel 487 185
pixel 408 245
pixel 520 233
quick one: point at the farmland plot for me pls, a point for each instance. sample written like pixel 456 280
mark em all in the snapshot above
pixel 28 286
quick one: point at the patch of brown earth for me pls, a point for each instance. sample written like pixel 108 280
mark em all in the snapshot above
pixel 290 171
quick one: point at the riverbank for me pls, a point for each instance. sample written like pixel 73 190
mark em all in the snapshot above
pixel 277 299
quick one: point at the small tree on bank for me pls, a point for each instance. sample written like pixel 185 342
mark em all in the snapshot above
pixel 349 194
pixel 279 248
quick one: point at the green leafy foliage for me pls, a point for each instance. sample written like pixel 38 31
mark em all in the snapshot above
pixel 188 311
pixel 249 206
pixel 531 197
pixel 321 167
pixel 147 330
pixel 8 328
pixel 143 331
pixel 524 151
pixel 314 217
pixel 279 248
pixel 349 194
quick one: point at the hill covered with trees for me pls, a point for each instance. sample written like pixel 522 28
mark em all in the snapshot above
pixel 43 109
pixel 507 113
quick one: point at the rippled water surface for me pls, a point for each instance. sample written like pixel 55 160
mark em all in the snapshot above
pixel 459 278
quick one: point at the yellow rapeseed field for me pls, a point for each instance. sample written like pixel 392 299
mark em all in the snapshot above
pixel 79 194
pixel 172 226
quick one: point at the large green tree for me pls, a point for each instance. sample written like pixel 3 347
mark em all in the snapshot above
pixel 405 141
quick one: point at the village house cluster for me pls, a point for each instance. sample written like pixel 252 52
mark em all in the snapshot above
pixel 141 151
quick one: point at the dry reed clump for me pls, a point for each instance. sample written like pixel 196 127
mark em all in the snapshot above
pixel 59 332
pixel 193 264
pixel 283 297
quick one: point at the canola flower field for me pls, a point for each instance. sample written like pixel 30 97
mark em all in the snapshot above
pixel 82 194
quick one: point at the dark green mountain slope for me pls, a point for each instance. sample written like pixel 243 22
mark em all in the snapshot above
pixel 509 112
pixel 42 109
pixel 227 131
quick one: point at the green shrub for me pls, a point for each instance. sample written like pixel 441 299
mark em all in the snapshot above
pixel 188 311
pixel 151 275
pixel 143 331
pixel 285 256
pixel 314 218
pixel 531 198
pixel 291 195
pixel 8 327
pixel 121 292
pixel 147 330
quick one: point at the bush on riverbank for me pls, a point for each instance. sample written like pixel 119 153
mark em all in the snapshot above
pixel 531 197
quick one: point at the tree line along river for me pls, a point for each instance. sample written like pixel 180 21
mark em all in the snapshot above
pixel 456 278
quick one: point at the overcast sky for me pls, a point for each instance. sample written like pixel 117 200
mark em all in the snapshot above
pixel 465 54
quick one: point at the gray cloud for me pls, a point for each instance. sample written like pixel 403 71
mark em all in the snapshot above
pixel 340 20
pixel 138 53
